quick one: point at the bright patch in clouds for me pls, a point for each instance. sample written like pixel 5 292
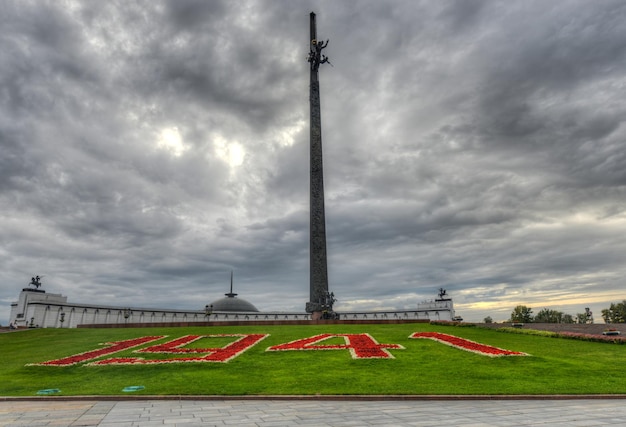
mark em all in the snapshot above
pixel 171 140
pixel 230 152
pixel 287 135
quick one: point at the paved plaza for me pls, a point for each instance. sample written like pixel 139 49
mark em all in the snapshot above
pixel 336 413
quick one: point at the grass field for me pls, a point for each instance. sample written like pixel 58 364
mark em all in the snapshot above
pixel 554 366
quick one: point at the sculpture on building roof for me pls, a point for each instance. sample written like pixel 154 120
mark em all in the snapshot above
pixel 443 295
pixel 35 281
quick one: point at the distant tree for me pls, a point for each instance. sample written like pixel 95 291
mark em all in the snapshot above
pixel 581 318
pixel 568 318
pixel 547 315
pixel 616 313
pixel 586 317
pixel 488 319
pixel 522 314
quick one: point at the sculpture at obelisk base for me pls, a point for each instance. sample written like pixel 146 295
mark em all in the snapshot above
pixel 321 301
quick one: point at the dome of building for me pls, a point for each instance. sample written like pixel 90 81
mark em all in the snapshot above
pixel 232 304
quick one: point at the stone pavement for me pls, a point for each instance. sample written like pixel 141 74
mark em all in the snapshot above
pixel 310 412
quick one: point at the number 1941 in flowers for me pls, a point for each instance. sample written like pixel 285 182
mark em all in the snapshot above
pixel 180 350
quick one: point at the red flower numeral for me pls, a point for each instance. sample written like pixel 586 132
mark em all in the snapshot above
pixel 467 345
pixel 361 346
pixel 114 347
pixel 215 354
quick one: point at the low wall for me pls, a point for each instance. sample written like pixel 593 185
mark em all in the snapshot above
pixel 595 328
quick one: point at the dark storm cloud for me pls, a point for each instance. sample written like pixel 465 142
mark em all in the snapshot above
pixel 148 148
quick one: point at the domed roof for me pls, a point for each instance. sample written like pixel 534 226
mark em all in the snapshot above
pixel 232 303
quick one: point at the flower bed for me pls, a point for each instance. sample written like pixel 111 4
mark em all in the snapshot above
pixel 568 335
pixel 361 346
pixel 467 345
pixel 594 338
pixel 213 354
pixel 114 347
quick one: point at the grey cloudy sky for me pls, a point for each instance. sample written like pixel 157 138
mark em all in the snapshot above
pixel 148 148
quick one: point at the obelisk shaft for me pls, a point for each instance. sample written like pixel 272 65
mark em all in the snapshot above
pixel 318 266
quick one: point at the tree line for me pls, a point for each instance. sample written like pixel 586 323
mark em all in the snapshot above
pixel 616 313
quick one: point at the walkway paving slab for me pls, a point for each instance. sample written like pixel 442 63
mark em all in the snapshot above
pixel 323 412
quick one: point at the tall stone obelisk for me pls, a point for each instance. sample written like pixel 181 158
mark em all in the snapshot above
pixel 320 299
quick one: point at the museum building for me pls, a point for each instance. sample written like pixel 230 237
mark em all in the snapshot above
pixel 37 308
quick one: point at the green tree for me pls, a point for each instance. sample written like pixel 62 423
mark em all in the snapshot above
pixel 547 315
pixel 586 317
pixel 488 319
pixel 616 313
pixel 581 318
pixel 568 318
pixel 522 314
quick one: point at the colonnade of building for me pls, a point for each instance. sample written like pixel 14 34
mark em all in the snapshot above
pixel 38 309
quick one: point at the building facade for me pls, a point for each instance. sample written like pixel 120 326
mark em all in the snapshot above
pixel 36 308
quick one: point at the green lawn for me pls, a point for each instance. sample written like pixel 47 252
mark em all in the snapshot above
pixel 555 366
